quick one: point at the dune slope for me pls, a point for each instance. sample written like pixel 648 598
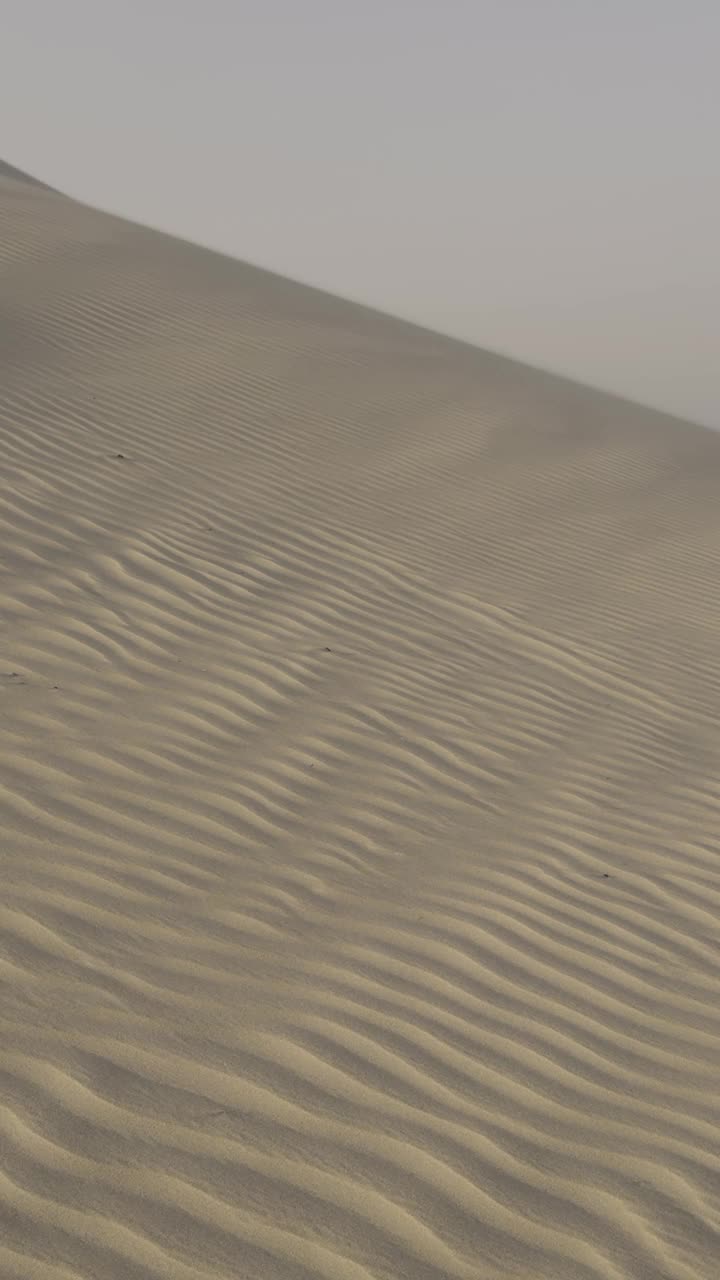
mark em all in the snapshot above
pixel 359 790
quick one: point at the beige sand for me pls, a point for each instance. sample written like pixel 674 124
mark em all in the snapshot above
pixel 360 790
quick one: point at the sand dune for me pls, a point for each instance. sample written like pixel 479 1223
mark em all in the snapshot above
pixel 359 789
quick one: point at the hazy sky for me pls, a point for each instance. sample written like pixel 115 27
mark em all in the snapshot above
pixel 539 176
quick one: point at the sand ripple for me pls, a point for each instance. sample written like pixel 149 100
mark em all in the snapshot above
pixel 359 789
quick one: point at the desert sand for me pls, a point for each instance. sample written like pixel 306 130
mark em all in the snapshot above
pixel 359 789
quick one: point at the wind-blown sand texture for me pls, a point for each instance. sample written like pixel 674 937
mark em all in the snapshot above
pixel 360 790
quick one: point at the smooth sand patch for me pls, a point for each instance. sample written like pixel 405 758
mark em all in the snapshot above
pixel 359 790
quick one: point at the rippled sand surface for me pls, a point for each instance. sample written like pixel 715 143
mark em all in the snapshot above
pixel 359 790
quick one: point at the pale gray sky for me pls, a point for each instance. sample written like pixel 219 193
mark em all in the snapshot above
pixel 539 176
